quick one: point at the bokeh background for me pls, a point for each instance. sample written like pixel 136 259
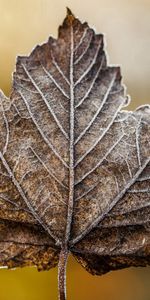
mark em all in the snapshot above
pixel 126 24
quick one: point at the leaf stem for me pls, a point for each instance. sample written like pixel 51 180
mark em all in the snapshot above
pixel 62 273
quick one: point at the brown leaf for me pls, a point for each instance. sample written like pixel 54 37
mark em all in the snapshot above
pixel 74 166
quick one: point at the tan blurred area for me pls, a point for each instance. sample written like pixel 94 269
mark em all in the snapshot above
pixel 126 24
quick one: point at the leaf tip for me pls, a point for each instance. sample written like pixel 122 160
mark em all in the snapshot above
pixel 70 16
pixel 143 109
pixel 69 12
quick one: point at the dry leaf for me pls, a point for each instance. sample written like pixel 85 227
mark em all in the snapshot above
pixel 74 166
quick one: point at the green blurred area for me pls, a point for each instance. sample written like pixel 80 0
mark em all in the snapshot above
pixel 126 25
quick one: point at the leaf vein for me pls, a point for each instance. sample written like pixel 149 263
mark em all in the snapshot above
pixel 100 161
pixel 98 111
pixel 46 102
pixel 48 143
pixel 90 65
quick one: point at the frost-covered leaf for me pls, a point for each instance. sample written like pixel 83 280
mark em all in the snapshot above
pixel 74 166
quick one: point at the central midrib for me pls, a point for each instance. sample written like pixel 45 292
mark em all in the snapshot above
pixel 71 146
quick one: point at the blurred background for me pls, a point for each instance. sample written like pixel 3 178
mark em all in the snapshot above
pixel 126 25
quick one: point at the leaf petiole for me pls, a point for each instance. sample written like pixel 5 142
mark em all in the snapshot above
pixel 63 257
